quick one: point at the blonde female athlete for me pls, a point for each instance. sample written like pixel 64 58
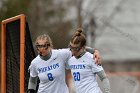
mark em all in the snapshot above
pixel 49 67
pixel 83 69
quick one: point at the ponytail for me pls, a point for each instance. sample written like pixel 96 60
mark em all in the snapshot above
pixel 78 32
pixel 79 37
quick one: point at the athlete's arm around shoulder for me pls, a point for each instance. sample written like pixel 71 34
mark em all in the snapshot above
pixel 65 54
pixel 96 54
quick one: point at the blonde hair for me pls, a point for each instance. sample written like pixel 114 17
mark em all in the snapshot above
pixel 46 38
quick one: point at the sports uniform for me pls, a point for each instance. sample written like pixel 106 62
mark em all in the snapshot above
pixel 51 72
pixel 49 66
pixel 84 71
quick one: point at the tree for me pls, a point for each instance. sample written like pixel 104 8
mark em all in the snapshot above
pixel 50 18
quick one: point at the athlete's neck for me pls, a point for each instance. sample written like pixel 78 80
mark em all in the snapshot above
pixel 79 56
pixel 46 57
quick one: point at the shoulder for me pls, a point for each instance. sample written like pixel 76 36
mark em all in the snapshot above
pixel 60 52
pixel 65 53
pixel 36 60
pixel 65 50
pixel 88 56
pixel 56 52
pixel 72 58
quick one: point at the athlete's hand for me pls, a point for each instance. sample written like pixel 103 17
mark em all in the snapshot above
pixel 97 57
pixel 31 91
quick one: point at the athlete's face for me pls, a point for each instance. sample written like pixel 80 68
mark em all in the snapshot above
pixel 43 48
pixel 76 49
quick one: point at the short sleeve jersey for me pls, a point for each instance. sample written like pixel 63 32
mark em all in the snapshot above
pixel 84 71
pixel 51 72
